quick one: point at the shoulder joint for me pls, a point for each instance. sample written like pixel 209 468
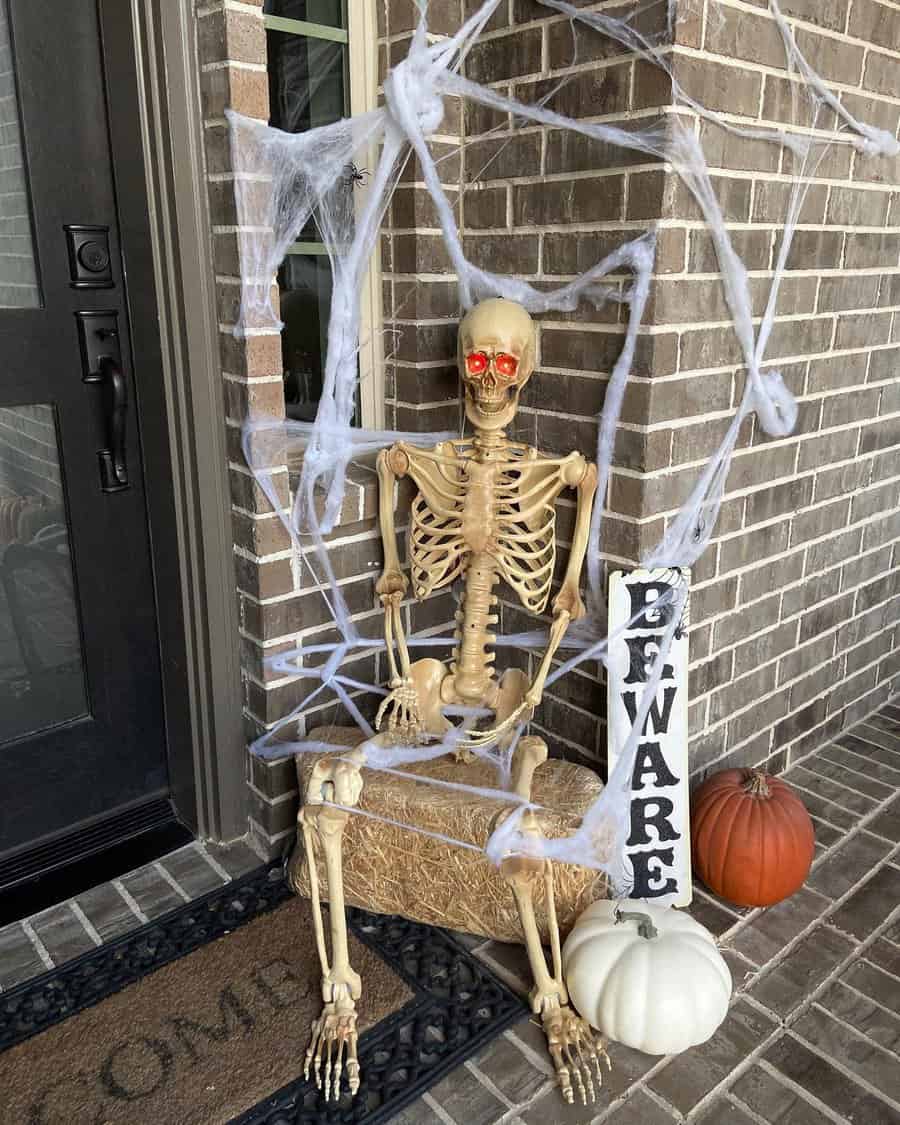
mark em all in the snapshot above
pixel 397 460
pixel 575 469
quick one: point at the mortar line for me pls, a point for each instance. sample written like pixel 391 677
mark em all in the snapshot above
pixel 853 1075
pixel 172 881
pixel 784 1025
pixel 130 901
pixel 861 758
pixel 849 788
pixel 819 919
pixel 805 1095
pixel 37 944
pixel 86 923
pixel 852 1027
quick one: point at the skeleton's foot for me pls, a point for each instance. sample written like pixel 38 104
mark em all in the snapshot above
pixel 576 1053
pixel 332 1047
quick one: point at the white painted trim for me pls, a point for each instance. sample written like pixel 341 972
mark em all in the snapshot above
pixel 363 70
pixel 304 28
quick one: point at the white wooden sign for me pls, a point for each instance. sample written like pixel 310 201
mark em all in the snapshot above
pixel 658 845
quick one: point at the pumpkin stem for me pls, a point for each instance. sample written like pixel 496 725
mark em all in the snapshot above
pixel 645 929
pixel 756 785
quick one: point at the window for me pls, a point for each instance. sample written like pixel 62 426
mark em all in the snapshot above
pixel 322 66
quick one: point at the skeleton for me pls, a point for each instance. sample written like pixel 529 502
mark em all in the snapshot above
pixel 484 511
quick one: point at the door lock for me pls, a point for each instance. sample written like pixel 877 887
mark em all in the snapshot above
pixel 94 257
pixel 90 265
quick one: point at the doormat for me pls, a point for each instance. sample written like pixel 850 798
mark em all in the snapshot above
pixel 203 1016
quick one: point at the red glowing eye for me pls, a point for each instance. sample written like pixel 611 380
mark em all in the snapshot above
pixel 476 363
pixel 506 364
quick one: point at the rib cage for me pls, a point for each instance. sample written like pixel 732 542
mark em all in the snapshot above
pixel 436 548
pixel 522 525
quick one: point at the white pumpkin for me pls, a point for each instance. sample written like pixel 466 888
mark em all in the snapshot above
pixel 659 988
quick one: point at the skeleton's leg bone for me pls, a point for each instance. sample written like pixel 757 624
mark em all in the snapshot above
pixel 308 828
pixel 530 752
pixel 334 1033
pixel 521 872
pixel 575 1054
pixel 342 979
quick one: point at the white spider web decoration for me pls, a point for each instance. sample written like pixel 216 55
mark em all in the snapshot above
pixel 283 180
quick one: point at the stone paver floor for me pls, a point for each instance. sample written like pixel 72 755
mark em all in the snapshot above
pixel 813 1034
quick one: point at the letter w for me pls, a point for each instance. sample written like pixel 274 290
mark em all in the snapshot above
pixel 660 721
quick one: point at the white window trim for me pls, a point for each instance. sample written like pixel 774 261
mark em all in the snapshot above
pixel 362 28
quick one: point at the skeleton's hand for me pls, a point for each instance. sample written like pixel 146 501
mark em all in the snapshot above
pixel 401 707
pixel 481 739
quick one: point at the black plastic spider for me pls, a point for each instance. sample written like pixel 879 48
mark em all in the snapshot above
pixel 356 175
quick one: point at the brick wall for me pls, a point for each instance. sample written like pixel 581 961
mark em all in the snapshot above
pixel 792 638
pixel 795 602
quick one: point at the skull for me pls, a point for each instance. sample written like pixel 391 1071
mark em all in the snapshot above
pixel 496 359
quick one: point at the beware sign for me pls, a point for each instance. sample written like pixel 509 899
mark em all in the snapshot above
pixel 658 846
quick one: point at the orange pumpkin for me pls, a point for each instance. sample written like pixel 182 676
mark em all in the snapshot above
pixel 752 839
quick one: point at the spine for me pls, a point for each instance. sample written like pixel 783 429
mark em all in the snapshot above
pixel 473 665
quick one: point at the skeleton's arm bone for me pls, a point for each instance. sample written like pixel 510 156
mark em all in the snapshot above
pixel 393 584
pixel 561 621
pixel 393 674
pixel 586 485
pixel 392 464
pixel 567 605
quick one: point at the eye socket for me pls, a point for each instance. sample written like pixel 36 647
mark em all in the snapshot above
pixel 476 363
pixel 506 364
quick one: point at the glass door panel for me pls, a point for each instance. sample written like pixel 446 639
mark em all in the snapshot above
pixel 41 669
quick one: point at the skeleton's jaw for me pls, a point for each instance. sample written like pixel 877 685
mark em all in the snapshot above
pixel 491 414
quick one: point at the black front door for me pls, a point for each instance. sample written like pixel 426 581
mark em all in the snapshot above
pixel 82 733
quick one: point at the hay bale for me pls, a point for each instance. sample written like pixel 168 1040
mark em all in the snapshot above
pixel 389 869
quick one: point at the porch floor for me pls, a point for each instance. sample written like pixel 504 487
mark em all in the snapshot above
pixel 813 1035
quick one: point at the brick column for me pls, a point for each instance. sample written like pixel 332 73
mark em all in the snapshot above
pixel 232 48
pixel 795 601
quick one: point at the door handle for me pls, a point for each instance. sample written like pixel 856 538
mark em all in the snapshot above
pixel 113 459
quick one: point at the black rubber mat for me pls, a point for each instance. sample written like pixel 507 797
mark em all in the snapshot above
pixel 457 1005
